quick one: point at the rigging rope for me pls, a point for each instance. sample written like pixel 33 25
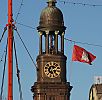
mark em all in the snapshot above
pixel 26 25
pixel 96 45
pixel 19 10
pixel 3 72
pixel 26 49
pixel 3 34
pixel 18 71
pixel 1 59
pixel 79 3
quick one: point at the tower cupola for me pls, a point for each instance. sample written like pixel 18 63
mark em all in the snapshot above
pixel 51 27
pixel 51 18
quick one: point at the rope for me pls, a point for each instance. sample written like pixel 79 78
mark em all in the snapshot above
pixel 26 25
pixel 18 72
pixel 26 49
pixel 96 45
pixel 3 72
pixel 19 10
pixel 79 3
pixel 1 59
pixel 3 34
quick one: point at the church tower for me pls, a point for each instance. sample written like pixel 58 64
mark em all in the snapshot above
pixel 51 62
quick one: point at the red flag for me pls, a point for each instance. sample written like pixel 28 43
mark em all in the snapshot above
pixel 81 55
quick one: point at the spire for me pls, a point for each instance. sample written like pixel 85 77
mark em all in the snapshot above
pixel 51 2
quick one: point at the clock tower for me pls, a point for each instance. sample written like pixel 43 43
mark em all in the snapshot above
pixel 51 62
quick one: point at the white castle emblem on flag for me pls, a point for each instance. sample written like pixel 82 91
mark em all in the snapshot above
pixel 85 56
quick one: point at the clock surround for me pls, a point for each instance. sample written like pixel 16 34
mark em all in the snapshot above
pixel 52 69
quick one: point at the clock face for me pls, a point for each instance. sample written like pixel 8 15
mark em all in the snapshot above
pixel 52 69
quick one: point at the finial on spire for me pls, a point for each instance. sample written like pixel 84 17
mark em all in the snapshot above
pixel 51 2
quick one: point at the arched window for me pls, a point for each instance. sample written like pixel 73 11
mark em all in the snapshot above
pixel 52 98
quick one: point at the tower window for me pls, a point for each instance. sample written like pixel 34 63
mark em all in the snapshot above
pixel 52 98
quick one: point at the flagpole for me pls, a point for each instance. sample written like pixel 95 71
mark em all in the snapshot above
pixel 10 51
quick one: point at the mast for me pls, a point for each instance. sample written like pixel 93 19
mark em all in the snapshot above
pixel 10 51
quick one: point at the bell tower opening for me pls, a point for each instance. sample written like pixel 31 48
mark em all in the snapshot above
pixel 51 42
pixel 51 62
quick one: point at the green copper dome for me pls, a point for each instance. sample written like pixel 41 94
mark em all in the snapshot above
pixel 51 18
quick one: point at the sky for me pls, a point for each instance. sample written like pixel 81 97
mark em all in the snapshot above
pixel 84 24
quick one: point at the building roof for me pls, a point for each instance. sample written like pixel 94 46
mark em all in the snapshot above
pixel 98 88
